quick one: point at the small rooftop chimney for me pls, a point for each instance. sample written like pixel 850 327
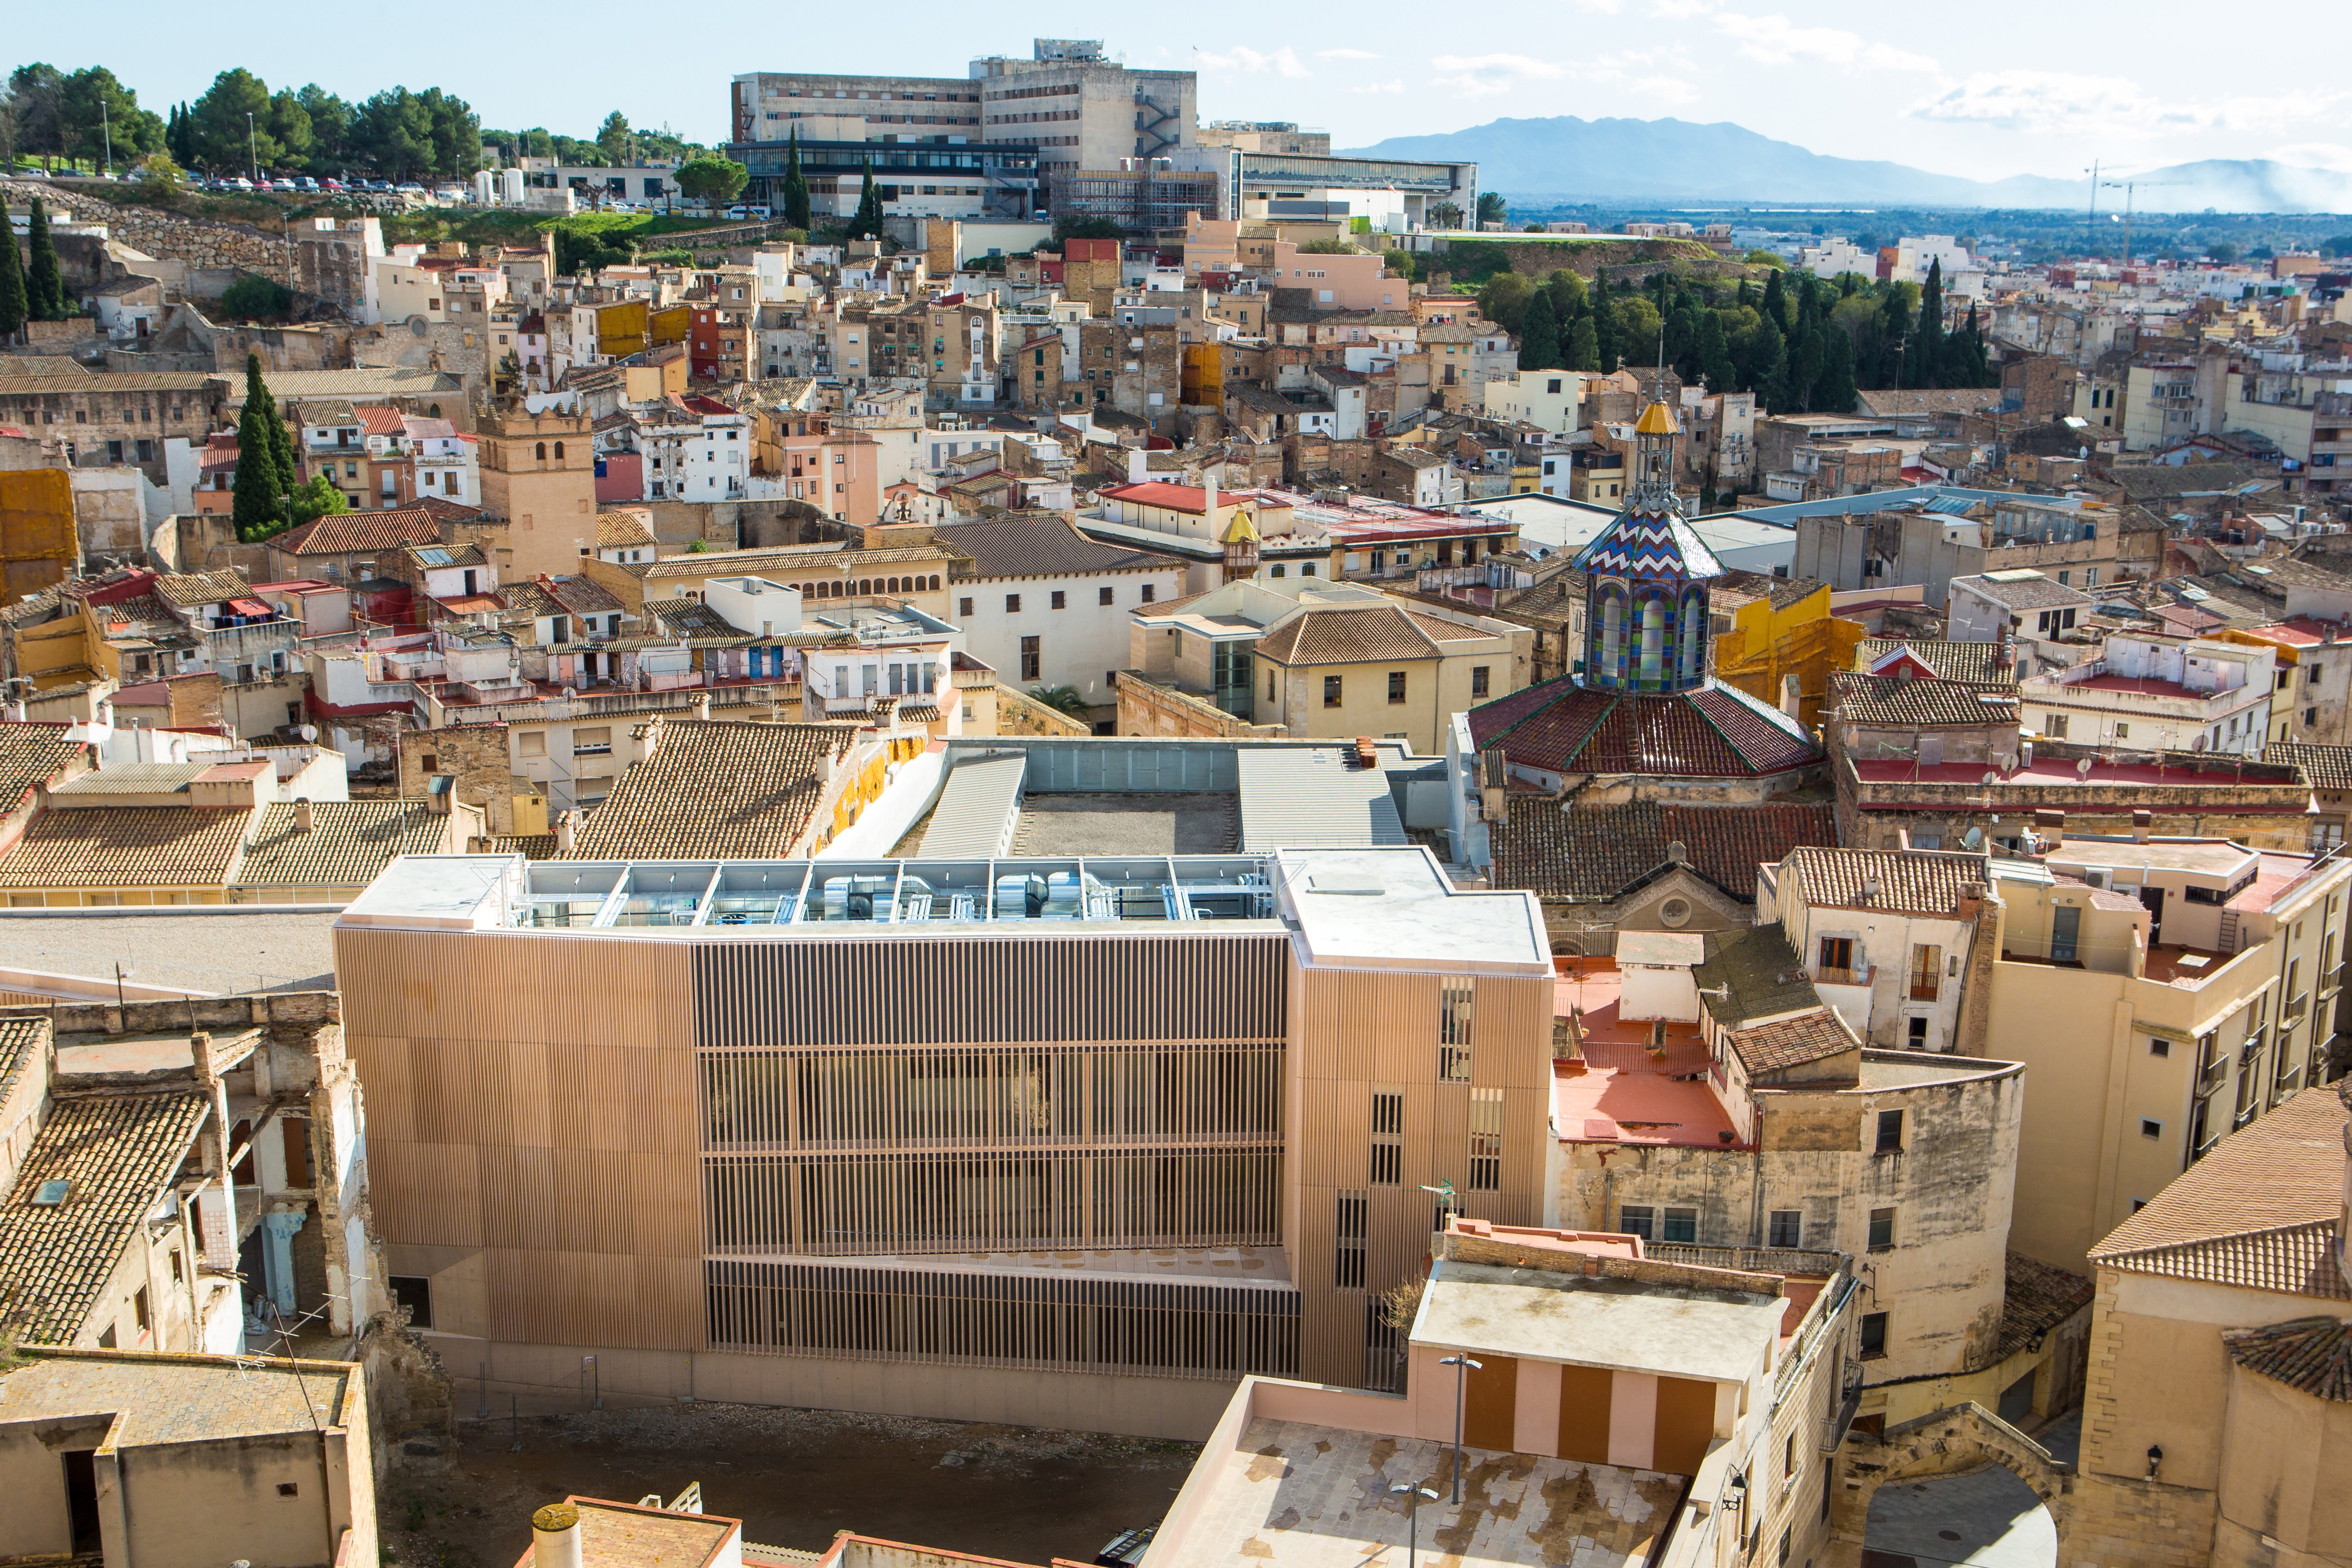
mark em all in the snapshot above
pixel 2142 822
pixel 702 704
pixel 303 819
pixel 2050 827
pixel 565 832
pixel 555 1536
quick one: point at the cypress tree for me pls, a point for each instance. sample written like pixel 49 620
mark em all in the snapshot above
pixel 1539 334
pixel 258 509
pixel 1775 301
pixel 44 286
pixel 1834 393
pixel 1682 340
pixel 1583 352
pixel 868 223
pixel 1805 359
pixel 796 189
pixel 281 442
pixel 14 307
pixel 1605 324
pixel 1893 332
pixel 1771 367
pixel 1715 354
pixel 1925 362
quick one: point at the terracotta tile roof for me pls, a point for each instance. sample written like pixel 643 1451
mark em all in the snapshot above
pixel 789 558
pixel 2310 1354
pixel 1915 882
pixel 1858 698
pixel 349 842
pixel 530 846
pixel 443 511
pixel 1715 733
pixel 688 618
pixel 1373 633
pixel 1953 661
pixel 21 1040
pixel 184 588
pixel 1600 852
pixel 2036 1297
pixel 528 599
pixel 621 529
pixel 1048 545
pixel 34 754
pixel 714 789
pixel 1784 1043
pixel 117 1153
pixel 2261 1212
pixel 2323 767
pixel 345 533
pixel 126 846
pixel 580 595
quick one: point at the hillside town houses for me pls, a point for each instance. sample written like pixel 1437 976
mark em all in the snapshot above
pixel 1721 965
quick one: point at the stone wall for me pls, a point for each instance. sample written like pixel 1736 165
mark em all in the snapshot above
pixel 476 756
pixel 209 253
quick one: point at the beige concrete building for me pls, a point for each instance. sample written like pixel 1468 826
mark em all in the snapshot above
pixel 1653 1404
pixel 128 1459
pixel 2220 1410
pixel 538 492
pixel 2161 994
pixel 1198 1099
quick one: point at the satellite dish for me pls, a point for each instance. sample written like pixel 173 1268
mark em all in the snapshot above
pixel 2082 768
pixel 1992 777
pixel 568 693
pixel 308 732
pixel 1973 838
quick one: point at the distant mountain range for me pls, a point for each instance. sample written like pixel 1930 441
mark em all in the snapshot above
pixel 1674 160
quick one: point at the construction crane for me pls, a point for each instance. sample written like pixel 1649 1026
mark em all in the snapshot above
pixel 2128 187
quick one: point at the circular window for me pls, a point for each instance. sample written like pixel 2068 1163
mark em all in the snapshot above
pixel 1675 912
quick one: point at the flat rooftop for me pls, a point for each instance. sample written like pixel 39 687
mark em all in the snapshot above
pixel 178 1398
pixel 1378 906
pixel 1294 1495
pixel 1621 1095
pixel 1128 823
pixel 1540 1315
pixel 229 953
pixel 2214 857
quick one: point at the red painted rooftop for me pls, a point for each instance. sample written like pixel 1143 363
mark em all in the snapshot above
pixel 1621 1094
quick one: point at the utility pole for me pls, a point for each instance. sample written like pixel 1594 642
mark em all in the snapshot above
pixel 106 129
pixel 252 158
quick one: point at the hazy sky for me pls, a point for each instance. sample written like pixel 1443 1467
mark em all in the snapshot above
pixel 1999 87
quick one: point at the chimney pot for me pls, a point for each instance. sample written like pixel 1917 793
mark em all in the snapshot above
pixel 555 1536
pixel 303 819
pixel 565 832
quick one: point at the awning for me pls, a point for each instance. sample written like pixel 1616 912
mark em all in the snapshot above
pixel 253 607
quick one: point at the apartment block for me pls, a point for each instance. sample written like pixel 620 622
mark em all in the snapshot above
pixel 1072 1141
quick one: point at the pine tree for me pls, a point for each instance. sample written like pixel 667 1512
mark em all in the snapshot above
pixel 1539 334
pixel 44 286
pixel 258 509
pixel 1834 393
pixel 1715 354
pixel 1926 361
pixel 796 189
pixel 1583 352
pixel 14 307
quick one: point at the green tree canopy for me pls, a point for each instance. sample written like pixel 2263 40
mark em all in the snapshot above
pixel 713 180
pixel 1503 299
pixel 37 98
pixel 258 508
pixel 1493 209
pixel 1583 351
pixel 613 138
pixel 1538 333
pixel 44 286
pixel 221 126
pixel 256 298
pixel 318 497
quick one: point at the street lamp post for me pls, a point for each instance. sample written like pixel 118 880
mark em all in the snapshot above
pixel 1413 1500
pixel 252 155
pixel 106 129
pixel 1462 1365
pixel 1443 1189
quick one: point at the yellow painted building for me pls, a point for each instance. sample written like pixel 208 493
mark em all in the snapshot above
pixel 1782 635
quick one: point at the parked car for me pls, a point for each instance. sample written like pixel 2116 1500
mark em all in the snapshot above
pixel 30 172
pixel 330 184
pixel 307 183
pixel 240 184
pixel 409 187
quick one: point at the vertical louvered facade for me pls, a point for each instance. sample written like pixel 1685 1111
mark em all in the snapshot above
pixel 916 1172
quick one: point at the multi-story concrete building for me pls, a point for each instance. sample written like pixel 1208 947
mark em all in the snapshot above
pixel 942 1136
pixel 2152 693
pixel 1082 110
pixel 1884 936
pixel 2162 993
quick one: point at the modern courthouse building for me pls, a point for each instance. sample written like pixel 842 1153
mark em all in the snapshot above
pixel 1069 1141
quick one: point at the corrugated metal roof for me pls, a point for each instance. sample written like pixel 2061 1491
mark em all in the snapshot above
pixel 1952 504
pixel 979 807
pixel 1314 799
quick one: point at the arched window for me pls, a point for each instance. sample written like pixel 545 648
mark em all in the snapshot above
pixel 1690 639
pixel 542 452
pixel 1281 571
pixel 1654 645
pixel 559 452
pixel 935 582
pixel 893 588
pixel 434 412
pixel 1612 637
pixel 864 586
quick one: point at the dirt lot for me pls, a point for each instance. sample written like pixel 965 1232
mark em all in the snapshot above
pixel 796 1478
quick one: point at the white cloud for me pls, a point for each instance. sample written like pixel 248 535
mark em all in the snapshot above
pixel 1394 85
pixel 2313 155
pixel 1345 55
pixel 1667 89
pixel 1243 60
pixel 1505 64
pixel 1774 40
pixel 2110 106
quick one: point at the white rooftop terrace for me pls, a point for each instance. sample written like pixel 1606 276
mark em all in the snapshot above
pixel 1390 906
